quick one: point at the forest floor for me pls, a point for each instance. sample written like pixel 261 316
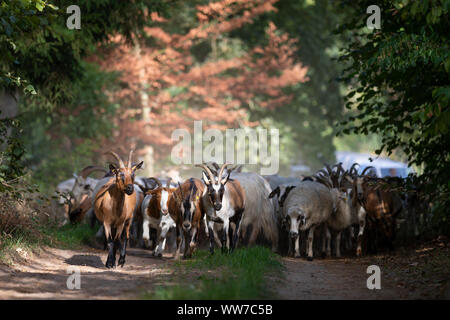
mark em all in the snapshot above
pixel 419 272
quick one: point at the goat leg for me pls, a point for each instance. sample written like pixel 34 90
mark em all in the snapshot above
pixel 111 260
pixel 225 239
pixel 211 236
pixel 236 234
pixel 179 242
pixel 123 249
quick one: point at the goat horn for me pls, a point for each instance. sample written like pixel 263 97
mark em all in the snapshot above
pixel 206 168
pixel 353 170
pixel 129 158
pixel 222 169
pixel 89 169
pixel 121 164
pixel 168 182
pixel 365 169
pixel 181 191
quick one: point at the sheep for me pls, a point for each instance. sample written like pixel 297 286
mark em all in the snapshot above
pixel 259 222
pixel 306 207
pixel 185 209
pixel 223 201
pixel 276 180
pixel 114 205
pixel 155 211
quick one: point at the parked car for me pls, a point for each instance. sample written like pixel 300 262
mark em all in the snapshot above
pixel 383 167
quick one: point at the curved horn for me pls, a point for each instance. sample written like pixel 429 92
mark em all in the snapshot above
pixel 89 169
pixel 353 169
pixel 205 167
pixel 221 170
pixel 365 169
pixel 129 159
pixel 121 164
pixel 168 182
pixel 156 180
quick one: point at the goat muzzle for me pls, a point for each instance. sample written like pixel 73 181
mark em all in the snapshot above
pixel 186 226
pixel 129 189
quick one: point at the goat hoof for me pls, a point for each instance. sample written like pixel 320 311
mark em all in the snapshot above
pixel 297 256
pixel 121 261
pixel 309 258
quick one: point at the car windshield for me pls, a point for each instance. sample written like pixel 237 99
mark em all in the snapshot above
pixel 394 172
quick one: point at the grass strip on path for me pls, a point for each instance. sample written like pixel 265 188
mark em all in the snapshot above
pixel 239 275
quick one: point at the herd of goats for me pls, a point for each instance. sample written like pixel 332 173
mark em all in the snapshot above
pixel 233 208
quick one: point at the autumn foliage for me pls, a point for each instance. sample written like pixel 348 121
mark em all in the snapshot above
pixel 167 88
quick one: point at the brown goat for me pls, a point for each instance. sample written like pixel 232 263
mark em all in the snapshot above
pixel 114 205
pixel 382 207
pixel 185 209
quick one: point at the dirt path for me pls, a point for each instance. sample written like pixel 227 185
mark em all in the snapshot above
pixel 332 279
pixel 45 276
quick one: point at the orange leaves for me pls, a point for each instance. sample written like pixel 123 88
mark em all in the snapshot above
pixel 165 88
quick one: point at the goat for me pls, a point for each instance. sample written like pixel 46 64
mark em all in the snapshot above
pixel 259 222
pixel 347 211
pixel 136 226
pixel 382 207
pixel 223 201
pixel 306 207
pixel 278 196
pixel 114 205
pixel 185 209
pixel 72 192
pixel 153 209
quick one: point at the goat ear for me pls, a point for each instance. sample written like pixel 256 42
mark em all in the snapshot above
pixel 349 179
pixel 112 168
pixel 225 180
pixel 205 178
pixel 137 166
pixel 274 192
